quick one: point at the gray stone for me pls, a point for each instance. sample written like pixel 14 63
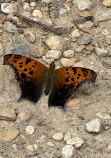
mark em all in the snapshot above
pixel 85 39
pixel 9 27
pixel 88 24
pixel 8 135
pixel 7 113
pixel 101 52
pixel 68 151
pixel 30 36
pixel 20 47
pixel 102 14
pixel 93 126
pixel 78 48
pixel 83 4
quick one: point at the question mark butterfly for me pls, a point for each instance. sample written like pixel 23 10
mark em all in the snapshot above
pixel 34 77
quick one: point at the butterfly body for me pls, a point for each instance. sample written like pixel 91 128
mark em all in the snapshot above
pixel 35 77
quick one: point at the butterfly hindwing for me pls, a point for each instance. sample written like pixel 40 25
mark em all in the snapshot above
pixel 66 82
pixel 30 74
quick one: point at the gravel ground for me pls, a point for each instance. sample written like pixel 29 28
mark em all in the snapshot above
pixel 83 130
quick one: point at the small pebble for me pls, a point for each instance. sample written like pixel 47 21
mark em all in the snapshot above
pixel 78 48
pixel 74 103
pixel 101 52
pixel 88 25
pixel 50 144
pixel 68 151
pixel 8 135
pixel 29 130
pixel 58 136
pixel 26 7
pixel 1 49
pixel 32 4
pixel 85 39
pixel 62 11
pixel 83 4
pixel 37 13
pixel 9 27
pixel 67 136
pixel 69 62
pixel 24 116
pixel 106 3
pixel 93 126
pixel 75 34
pixel 53 54
pixel 109 148
pixel 78 142
pixel 68 53
pixel 39 51
pixel 49 61
pixel 54 42
pixel 8 8
pixel 30 36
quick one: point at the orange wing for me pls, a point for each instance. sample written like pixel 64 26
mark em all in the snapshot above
pixel 66 82
pixel 30 74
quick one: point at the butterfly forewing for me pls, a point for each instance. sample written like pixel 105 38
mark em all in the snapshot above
pixel 66 82
pixel 30 74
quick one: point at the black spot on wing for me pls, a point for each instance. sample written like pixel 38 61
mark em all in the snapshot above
pixel 35 63
pixel 23 75
pixel 17 56
pixel 20 66
pixel 21 63
pixel 79 74
pixel 77 77
pixel 72 79
pixel 30 72
pixel 27 61
pixel 74 70
pixel 67 80
pixel 66 69
pixel 25 70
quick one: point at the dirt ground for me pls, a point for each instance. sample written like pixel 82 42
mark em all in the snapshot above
pixel 94 99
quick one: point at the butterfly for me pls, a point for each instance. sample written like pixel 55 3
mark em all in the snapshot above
pixel 34 78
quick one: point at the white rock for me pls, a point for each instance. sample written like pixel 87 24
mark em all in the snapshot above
pixel 67 136
pixel 58 136
pixel 32 4
pixel 106 3
pixel 29 130
pixel 55 42
pixel 83 4
pixel 26 7
pixel 109 148
pixel 68 151
pixel 9 27
pixel 24 116
pixel 78 142
pixel 101 52
pixel 50 144
pixel 8 135
pixel 75 33
pixel 37 13
pixel 1 49
pixel 68 53
pixel 93 126
pixel 69 62
pixel 30 148
pixel 8 8
pixel 53 54
pixel 62 11
pixel 30 36
pixel 7 113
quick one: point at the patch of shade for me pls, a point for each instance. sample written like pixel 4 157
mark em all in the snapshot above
pixel 17 56
pixel 23 75
pixel 74 70
pixel 27 61
pixel 67 80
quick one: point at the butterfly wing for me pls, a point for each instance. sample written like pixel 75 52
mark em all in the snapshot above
pixel 30 74
pixel 66 82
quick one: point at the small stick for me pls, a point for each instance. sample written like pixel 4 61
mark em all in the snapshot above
pixel 59 32
pixel 79 27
